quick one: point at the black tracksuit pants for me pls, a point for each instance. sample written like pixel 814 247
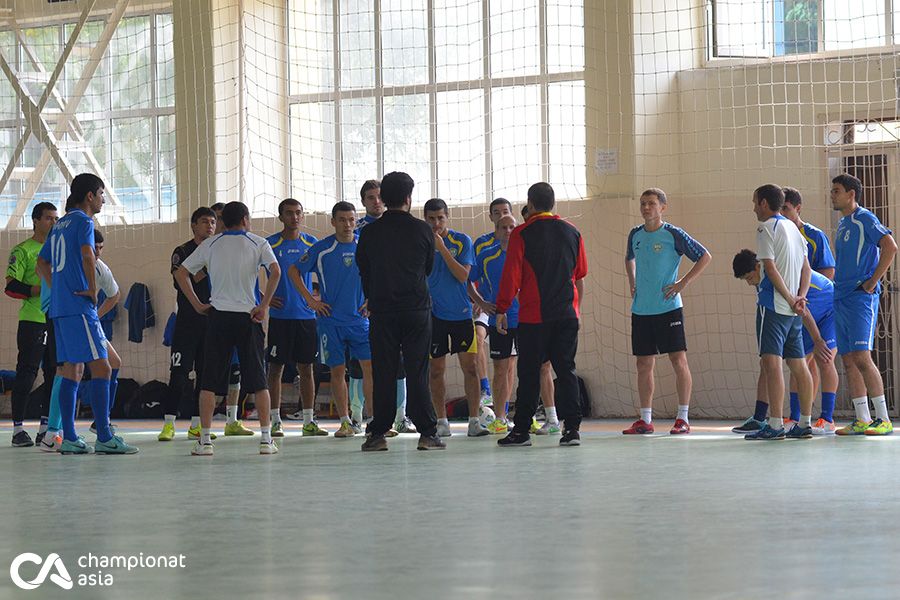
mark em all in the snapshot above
pixel 31 339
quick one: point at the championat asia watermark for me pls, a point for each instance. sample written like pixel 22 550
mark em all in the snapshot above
pixel 94 569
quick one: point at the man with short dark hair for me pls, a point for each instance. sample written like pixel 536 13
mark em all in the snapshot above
pixel 292 337
pixel 545 265
pixel 395 255
pixel 864 249
pixel 232 259
pixel 23 283
pixel 190 330
pixel 370 195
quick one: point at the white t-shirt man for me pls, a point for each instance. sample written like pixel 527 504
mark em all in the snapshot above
pixel 778 239
pixel 105 280
pixel 232 259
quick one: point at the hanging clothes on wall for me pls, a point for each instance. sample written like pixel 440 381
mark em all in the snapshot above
pixel 140 312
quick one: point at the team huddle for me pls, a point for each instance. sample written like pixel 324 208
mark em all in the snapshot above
pixel 391 302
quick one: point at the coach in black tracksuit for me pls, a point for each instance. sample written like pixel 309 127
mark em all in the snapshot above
pixel 395 255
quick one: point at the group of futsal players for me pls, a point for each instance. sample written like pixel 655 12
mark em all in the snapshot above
pixel 810 302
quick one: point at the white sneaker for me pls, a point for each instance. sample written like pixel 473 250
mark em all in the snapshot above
pixel 549 429
pixel 443 430
pixel 268 448
pixel 823 427
pixel 405 426
pixel 201 449
pixel 487 399
pixel 476 429
pixel 253 415
pixel 295 416
pixel 51 445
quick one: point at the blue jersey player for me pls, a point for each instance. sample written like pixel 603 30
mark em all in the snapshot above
pixel 864 249
pixel 68 264
pixel 652 258
pixel 342 324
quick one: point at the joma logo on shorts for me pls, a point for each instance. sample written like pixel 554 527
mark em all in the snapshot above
pixel 674 323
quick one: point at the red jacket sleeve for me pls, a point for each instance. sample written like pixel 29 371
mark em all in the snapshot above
pixel 511 280
pixel 581 266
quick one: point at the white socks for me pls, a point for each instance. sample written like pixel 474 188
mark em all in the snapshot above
pixel 170 419
pixel 231 412
pixel 444 422
pixel 861 405
pixel 307 416
pixel 881 408
pixel 551 415
pixel 647 415
pixel 345 419
pixel 276 415
pixel 266 435
pixel 805 420
pixel 195 422
pixel 204 436
pixel 683 412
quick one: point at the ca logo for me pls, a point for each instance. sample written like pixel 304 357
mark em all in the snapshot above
pixel 60 578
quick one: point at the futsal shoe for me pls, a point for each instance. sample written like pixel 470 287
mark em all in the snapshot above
pixel 51 443
pixel 857 427
pixel 680 427
pixel 788 423
pixel 76 447
pixel 798 432
pixel 312 429
pixel 879 427
pixel 168 433
pixel 476 429
pixel 443 430
pixel 749 426
pixel 114 445
pixel 823 427
pixel 277 430
pixel 22 440
pixel 431 442
pixel 766 433
pixel 194 433
pixel 234 428
pixel 295 416
pixel 498 426
pixel 405 426
pixel 486 399
pixel 39 437
pixel 515 439
pixel 549 428
pixel 268 447
pixel 639 427
pixel 357 428
pixel 201 449
pixel 375 443
pixel 570 437
pixel 112 428
pixel 391 433
pixel 346 430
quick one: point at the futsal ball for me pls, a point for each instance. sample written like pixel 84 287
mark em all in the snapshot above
pixel 486 417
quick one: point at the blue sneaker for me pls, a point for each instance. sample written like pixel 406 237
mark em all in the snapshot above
pixel 114 445
pixel 766 433
pixel 799 433
pixel 76 447
pixel 751 425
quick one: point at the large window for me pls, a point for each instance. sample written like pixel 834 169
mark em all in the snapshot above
pixel 761 28
pixel 118 122
pixel 474 98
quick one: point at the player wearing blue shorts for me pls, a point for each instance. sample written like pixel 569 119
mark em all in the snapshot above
pixel 819 341
pixel 781 301
pixel 486 271
pixel 821 260
pixel 499 207
pixel 652 258
pixel 68 263
pixel 864 249
pixel 452 329
pixel 292 336
pixel 342 323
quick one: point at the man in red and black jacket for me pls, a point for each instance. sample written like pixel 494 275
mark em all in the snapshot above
pixel 545 265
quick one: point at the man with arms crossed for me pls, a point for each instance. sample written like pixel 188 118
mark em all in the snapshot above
pixel 232 259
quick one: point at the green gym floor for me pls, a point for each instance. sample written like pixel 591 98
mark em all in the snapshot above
pixel 701 516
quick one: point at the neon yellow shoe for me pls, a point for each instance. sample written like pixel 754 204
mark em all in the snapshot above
pixel 194 434
pixel 535 426
pixel 237 428
pixel 277 430
pixel 312 428
pixel 879 427
pixel 168 433
pixel 498 426
pixel 346 430
pixel 857 427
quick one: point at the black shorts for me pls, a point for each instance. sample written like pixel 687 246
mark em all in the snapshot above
pixel 658 334
pixel 452 337
pixel 226 331
pixel 503 346
pixel 187 345
pixel 292 341
pixel 31 341
pixel 50 351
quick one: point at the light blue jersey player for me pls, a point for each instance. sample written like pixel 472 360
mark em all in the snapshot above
pixel 864 249
pixel 342 324
pixel 68 263
pixel 818 247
